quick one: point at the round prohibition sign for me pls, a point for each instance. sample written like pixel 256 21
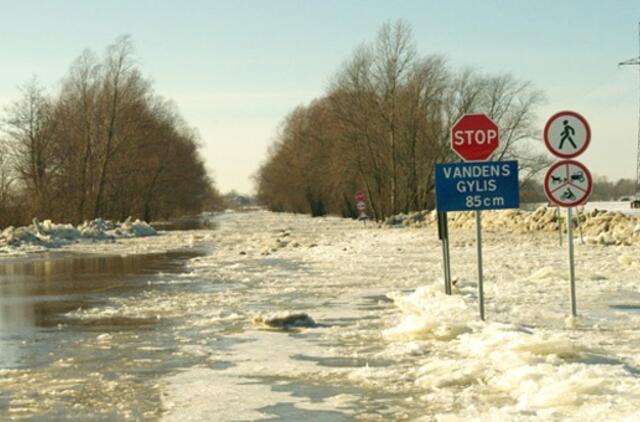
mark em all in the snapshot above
pixel 567 134
pixel 568 183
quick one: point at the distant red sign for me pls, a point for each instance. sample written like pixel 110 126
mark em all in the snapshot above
pixel 360 196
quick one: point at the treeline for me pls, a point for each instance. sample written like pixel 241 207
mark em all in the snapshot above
pixel 382 125
pixel 105 146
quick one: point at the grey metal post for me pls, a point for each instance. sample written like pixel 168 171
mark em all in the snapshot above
pixel 579 223
pixel 572 274
pixel 443 233
pixel 480 281
pixel 559 225
pixel 447 268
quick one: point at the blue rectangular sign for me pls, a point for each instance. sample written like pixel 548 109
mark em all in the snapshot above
pixel 478 185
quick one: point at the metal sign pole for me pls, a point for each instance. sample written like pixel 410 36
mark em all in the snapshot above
pixel 559 225
pixel 480 281
pixel 572 275
pixel 443 234
pixel 447 266
pixel 579 224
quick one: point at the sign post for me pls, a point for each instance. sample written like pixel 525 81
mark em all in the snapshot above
pixel 361 205
pixel 572 271
pixel 443 234
pixel 568 183
pixel 474 137
pixel 476 186
pixel 480 276
pixel 559 226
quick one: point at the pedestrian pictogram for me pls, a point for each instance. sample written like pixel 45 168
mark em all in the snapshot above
pixel 567 134
pixel 568 183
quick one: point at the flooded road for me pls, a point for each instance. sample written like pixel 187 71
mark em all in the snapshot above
pixel 192 335
pixel 61 367
pixel 35 293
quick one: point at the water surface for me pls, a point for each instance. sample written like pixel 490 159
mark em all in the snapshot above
pixel 55 366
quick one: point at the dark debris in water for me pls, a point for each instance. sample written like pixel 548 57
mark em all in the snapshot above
pixel 286 321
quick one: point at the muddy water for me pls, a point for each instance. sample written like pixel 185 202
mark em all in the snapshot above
pixel 56 367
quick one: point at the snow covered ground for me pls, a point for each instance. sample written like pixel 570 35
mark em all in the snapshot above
pixel 41 236
pixel 100 237
pixel 383 341
pixel 390 345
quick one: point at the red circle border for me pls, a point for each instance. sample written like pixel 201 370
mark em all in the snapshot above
pixel 568 162
pixel 577 116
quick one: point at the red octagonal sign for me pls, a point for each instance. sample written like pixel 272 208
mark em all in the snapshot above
pixel 474 137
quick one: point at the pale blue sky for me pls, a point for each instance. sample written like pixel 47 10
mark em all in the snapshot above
pixel 236 68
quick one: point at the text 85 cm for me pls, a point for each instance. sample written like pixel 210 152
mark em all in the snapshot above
pixel 477 201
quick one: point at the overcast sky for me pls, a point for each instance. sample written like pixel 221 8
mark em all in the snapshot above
pixel 236 68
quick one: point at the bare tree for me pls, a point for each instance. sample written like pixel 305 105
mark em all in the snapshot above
pixel 6 175
pixel 105 146
pixel 119 84
pixel 77 109
pixel 29 131
pixel 383 125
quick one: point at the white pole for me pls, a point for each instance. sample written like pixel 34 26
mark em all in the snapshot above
pixel 480 281
pixel 572 274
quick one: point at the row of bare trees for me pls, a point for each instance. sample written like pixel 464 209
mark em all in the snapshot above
pixel 382 125
pixel 105 146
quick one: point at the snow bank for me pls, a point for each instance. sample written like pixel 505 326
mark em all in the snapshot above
pixel 598 226
pixel 538 371
pixel 445 317
pixel 44 235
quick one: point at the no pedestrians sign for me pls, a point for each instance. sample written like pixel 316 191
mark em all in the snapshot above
pixel 567 134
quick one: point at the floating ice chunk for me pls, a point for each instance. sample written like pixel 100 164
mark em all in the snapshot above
pixel 445 373
pixel 430 314
pixel 544 274
pixel 573 322
pixel 104 338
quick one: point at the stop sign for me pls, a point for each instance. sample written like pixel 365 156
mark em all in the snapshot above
pixel 474 137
